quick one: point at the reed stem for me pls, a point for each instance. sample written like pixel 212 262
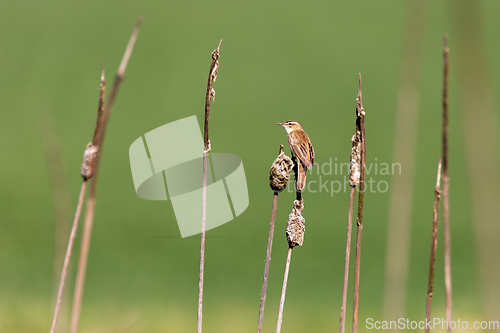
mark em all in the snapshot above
pixel 360 125
pixel 210 95
pixel 283 290
pixel 347 258
pixel 268 263
pixel 67 257
pixel 446 190
pixel 435 218
pixel 90 208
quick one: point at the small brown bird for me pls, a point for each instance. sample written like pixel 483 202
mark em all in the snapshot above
pixel 301 149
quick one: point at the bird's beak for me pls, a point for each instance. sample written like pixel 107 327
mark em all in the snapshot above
pixel 280 124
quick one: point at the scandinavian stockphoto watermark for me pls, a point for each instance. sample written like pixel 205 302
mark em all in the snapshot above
pixel 167 164
pixel 434 324
pixel 332 177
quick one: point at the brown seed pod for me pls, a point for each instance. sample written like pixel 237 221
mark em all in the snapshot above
pixel 88 161
pixel 280 171
pixel 296 228
pixel 354 166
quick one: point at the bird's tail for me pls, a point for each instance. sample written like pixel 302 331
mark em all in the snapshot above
pixel 301 177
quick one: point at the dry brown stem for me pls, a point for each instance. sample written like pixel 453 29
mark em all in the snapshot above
pixel 435 217
pixel 210 95
pixel 116 84
pixel 283 290
pixel 268 263
pixel 360 126
pixel 90 156
pixel 90 208
pixel 67 257
pixel 446 189
pixel 295 231
pixel 354 178
pixel 278 177
pixel 347 258
pixel 100 110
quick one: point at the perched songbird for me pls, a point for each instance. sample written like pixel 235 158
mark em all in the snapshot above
pixel 301 148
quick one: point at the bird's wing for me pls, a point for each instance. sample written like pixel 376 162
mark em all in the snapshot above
pixel 299 144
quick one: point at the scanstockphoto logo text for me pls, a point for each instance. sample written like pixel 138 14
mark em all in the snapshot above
pixel 332 177
pixel 434 324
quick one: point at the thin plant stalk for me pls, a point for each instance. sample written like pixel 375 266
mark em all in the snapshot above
pixel 82 266
pixel 278 178
pixel 202 244
pixel 283 290
pixel 268 263
pixel 210 95
pixel 67 257
pixel 90 208
pixel 86 175
pixel 435 218
pixel 347 258
pixel 83 256
pixel 446 189
pixel 360 124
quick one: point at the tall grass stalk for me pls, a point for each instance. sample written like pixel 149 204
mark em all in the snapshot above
pixel 278 178
pixel 283 290
pixel 210 95
pixel 446 188
pixel 87 172
pixel 67 258
pixel 268 264
pixel 354 179
pixel 91 200
pixel 435 218
pixel 347 258
pixel 360 127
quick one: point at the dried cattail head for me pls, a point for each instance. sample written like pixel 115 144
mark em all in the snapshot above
pixel 296 224
pixel 89 157
pixel 215 69
pixel 280 171
pixel 360 111
pixel 357 141
pixel 354 166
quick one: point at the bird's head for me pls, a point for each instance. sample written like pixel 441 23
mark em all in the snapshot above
pixel 291 125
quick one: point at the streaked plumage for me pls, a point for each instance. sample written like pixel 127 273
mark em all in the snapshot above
pixel 301 148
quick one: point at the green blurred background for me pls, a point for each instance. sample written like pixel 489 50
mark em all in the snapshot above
pixel 279 61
